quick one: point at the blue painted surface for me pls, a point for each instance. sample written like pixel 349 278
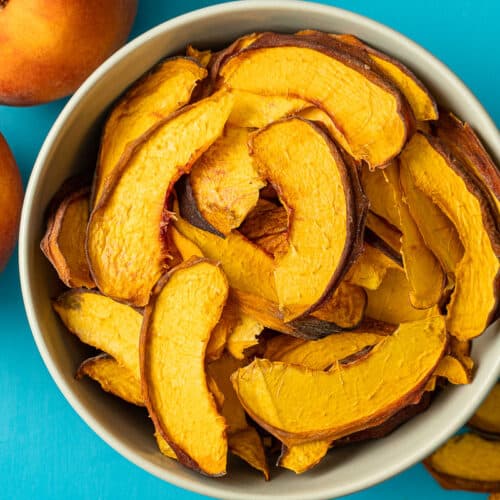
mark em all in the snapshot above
pixel 46 451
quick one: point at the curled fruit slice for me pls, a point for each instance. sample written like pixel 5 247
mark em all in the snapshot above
pixel 124 244
pixel 390 302
pixel 185 307
pixel 257 110
pixel 467 462
pixel 308 173
pixel 303 457
pixel 424 273
pixel 238 256
pixel 64 240
pixel 346 310
pixel 421 101
pixel 371 266
pixel 425 276
pixel 449 185
pixel 453 370
pixel 298 405
pixel 381 194
pixel 112 377
pixel 226 325
pixel 324 353
pixel 179 247
pixel 225 182
pixel 436 229
pixel 247 444
pixel 462 141
pixel 102 323
pixel 157 94
pixel 373 117
pixel 244 335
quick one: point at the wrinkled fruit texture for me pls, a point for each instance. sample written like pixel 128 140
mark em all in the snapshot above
pixel 390 302
pixel 344 308
pixel 370 268
pixel 186 305
pixel 424 273
pixel 303 457
pixel 225 182
pixel 467 462
pixel 156 95
pixel 257 110
pixel 275 64
pixel 329 405
pixel 422 103
pixel 244 335
pixel 465 145
pixel 322 354
pixel 456 193
pixel 124 244
pixel 102 323
pixel 268 314
pixel 308 173
pixel 436 229
pixel 238 257
pixel 223 329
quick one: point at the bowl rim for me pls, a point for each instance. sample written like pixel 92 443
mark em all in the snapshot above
pixel 51 142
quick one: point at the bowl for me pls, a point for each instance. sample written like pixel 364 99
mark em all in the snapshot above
pixel 71 147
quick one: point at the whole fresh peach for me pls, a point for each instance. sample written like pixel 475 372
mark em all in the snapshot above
pixel 11 200
pixel 49 47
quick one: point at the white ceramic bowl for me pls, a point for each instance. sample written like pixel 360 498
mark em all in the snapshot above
pixel 71 147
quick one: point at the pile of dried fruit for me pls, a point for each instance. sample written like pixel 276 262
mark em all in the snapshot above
pixel 314 254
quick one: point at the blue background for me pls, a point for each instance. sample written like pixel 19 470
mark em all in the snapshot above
pixel 46 451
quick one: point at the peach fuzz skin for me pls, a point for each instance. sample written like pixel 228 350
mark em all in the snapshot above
pixel 49 47
pixel 11 200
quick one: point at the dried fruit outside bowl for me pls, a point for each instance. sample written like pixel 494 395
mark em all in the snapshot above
pixel 71 148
